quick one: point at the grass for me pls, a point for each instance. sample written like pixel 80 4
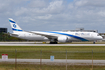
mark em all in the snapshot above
pixel 48 67
pixel 59 52
pixel 52 48
pixel 35 52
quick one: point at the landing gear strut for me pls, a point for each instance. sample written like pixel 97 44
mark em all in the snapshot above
pixel 53 41
pixel 94 42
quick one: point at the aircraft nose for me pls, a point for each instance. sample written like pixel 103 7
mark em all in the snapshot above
pixel 100 37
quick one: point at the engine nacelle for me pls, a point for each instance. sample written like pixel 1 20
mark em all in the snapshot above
pixel 63 39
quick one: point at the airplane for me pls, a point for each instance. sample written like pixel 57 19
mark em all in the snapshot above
pixel 53 36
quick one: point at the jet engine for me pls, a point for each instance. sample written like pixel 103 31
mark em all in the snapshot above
pixel 63 39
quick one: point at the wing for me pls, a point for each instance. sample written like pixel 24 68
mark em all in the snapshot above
pixel 48 35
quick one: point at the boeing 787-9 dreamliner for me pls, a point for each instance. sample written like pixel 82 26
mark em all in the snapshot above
pixel 53 36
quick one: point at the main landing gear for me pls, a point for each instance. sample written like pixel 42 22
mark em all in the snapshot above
pixel 53 42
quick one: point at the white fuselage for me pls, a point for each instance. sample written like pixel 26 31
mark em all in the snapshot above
pixel 71 36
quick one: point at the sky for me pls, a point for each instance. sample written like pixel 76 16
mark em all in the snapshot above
pixel 53 15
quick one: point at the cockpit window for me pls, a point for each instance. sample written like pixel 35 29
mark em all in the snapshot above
pixel 98 35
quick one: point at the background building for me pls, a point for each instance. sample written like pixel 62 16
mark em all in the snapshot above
pixel 4 30
pixel 80 30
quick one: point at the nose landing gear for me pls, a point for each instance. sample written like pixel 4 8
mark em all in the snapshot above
pixel 94 42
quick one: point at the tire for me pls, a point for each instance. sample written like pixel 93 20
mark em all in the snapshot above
pixel 53 43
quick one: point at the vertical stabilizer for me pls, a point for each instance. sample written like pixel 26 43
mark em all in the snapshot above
pixel 14 26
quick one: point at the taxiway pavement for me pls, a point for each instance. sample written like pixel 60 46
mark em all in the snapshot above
pixel 56 61
pixel 40 44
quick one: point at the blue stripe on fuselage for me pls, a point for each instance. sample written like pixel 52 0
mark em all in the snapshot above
pixel 16 29
pixel 82 39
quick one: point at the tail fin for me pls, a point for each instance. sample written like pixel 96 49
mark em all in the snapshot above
pixel 14 26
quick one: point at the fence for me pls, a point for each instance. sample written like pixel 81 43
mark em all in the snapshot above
pixel 63 60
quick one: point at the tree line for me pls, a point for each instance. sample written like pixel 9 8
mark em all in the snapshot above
pixel 7 37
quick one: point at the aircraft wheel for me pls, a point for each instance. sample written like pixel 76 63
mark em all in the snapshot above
pixel 93 42
pixel 53 43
